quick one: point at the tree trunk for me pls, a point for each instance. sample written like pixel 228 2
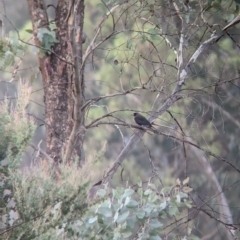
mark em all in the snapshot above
pixel 59 79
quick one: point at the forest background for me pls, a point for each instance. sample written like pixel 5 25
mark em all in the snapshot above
pixel 66 122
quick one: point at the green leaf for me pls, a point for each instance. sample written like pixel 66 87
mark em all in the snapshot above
pixel 188 204
pixel 128 192
pixel 107 203
pixel 183 195
pixel 147 192
pixel 144 38
pixel 154 223
pixel 187 189
pixel 230 17
pixel 124 226
pixel 116 216
pixel 121 218
pixel 185 181
pixel 143 235
pixel 148 209
pixel 163 215
pixel 139 184
pixel 154 33
pixel 53 26
pixel 153 197
pixel 163 205
pixel 126 233
pixel 140 214
pixel 131 203
pixel 107 212
pixel 178 182
pixel 29 31
pixel 117 193
pixel 172 210
pixel 47 39
pixel 117 235
pixel 152 186
pixel 129 44
pixel 178 198
pixel 92 220
pixel 131 222
pixel 101 193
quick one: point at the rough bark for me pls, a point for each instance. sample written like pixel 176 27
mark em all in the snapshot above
pixel 58 76
pixel 76 127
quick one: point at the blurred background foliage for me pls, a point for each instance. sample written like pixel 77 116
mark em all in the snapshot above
pixel 138 56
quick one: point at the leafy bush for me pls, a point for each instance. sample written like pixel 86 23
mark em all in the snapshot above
pixel 58 208
pixel 43 201
pixel 16 131
pixel 124 213
pixel 46 201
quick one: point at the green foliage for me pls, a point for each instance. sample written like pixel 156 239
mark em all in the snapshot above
pixel 15 134
pixel 39 198
pixel 46 201
pixel 53 208
pixel 47 39
pixel 16 131
pixel 10 48
pixel 154 33
pixel 233 6
pixel 54 205
pixel 124 213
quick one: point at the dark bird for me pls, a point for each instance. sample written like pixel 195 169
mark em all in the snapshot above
pixel 141 120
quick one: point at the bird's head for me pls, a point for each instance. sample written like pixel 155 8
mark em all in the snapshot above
pixel 135 114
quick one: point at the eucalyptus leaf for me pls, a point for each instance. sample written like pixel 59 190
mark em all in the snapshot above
pixel 187 189
pixel 107 212
pixel 154 223
pixel 140 214
pixel 131 203
pixel 101 193
pixel 121 218
pixel 185 181
pixel 128 192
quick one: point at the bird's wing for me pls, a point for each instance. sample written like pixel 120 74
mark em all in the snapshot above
pixel 142 120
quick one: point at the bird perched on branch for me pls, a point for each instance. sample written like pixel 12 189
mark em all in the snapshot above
pixel 141 120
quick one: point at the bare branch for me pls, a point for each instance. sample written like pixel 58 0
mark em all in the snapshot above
pixel 94 100
pixel 44 154
pixel 235 21
pixel 92 45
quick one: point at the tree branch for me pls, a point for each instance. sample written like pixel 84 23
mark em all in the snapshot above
pixel 75 22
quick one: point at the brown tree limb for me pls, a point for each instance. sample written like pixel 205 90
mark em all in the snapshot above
pixel 75 22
